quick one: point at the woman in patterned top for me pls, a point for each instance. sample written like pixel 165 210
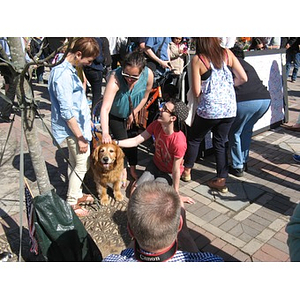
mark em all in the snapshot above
pixel 213 84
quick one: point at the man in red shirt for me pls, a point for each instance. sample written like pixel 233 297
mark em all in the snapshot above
pixel 167 163
pixel 170 145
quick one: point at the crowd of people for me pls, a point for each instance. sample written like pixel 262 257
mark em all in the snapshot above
pixel 230 99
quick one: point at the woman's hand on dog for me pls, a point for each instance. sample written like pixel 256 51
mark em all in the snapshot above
pixel 106 138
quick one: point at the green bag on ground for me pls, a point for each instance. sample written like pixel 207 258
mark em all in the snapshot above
pixel 60 234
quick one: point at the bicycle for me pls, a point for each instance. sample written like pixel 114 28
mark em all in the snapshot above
pixel 151 109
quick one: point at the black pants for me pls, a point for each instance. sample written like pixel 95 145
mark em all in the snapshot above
pixel 220 129
pixel 118 128
pixel 94 77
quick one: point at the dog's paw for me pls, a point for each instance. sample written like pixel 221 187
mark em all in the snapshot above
pixel 118 196
pixel 104 200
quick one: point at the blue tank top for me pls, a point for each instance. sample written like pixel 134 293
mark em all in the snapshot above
pixel 120 107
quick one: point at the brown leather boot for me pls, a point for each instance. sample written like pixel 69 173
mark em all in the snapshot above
pixel 218 184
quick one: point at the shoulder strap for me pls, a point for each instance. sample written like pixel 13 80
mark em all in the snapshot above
pixel 226 57
pixel 201 58
pixel 159 48
pixel 131 108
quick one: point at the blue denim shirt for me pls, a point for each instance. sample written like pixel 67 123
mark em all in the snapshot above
pixel 155 42
pixel 68 100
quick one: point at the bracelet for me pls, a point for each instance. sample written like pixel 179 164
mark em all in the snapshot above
pixel 117 142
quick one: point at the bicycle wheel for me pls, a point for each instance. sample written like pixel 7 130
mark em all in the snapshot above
pixel 96 110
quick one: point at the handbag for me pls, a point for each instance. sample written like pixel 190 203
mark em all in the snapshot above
pixel 139 121
pixel 192 106
pixel 142 117
pixel 60 234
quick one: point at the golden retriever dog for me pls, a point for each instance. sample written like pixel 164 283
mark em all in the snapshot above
pixel 107 164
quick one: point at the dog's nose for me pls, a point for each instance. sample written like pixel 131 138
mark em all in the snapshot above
pixel 105 159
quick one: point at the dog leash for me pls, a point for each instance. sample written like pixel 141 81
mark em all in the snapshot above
pixel 67 159
pixel 94 130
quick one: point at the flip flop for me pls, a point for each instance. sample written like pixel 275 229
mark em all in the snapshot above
pixel 85 199
pixel 80 211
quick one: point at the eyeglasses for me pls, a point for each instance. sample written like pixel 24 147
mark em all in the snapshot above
pixel 130 76
pixel 163 107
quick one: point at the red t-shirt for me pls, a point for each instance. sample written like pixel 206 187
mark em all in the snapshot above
pixel 167 147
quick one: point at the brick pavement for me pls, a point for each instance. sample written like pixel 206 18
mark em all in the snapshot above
pixel 257 231
pixel 248 224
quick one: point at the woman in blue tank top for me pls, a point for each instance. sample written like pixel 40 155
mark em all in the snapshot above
pixel 132 82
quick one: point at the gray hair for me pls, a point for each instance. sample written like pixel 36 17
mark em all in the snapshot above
pixel 154 215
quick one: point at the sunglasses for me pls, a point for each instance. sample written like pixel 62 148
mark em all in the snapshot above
pixel 130 76
pixel 163 107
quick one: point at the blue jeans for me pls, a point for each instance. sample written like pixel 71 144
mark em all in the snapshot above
pixel 292 58
pixel 248 113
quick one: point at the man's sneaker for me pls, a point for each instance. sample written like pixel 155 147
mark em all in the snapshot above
pixel 236 172
pixel 296 158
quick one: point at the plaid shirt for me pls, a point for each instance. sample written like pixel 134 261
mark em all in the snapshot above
pixel 127 255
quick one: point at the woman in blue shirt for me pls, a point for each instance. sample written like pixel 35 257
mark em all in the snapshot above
pixel 71 117
pixel 132 82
